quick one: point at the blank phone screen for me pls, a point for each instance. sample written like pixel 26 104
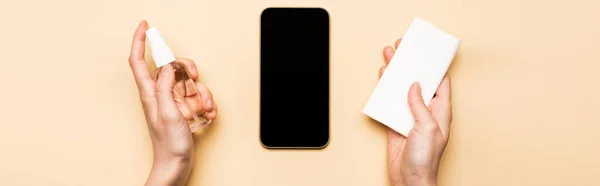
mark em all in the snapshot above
pixel 294 78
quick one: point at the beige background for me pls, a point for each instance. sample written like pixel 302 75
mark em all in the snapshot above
pixel 525 91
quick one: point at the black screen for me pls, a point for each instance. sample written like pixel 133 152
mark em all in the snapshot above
pixel 294 78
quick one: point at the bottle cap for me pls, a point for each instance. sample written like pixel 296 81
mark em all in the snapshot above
pixel 161 53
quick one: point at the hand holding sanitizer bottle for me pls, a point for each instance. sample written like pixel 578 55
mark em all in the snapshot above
pixel 185 90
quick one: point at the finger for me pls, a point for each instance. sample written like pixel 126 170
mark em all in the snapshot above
pixel 397 43
pixel 213 113
pixel 206 96
pixel 189 66
pixel 207 100
pixel 190 87
pixel 418 109
pixel 381 70
pixel 443 91
pixel 388 52
pixel 445 113
pixel 138 64
pixel 195 104
pixel 167 108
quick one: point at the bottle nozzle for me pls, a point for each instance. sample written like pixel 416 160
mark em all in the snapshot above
pixel 161 53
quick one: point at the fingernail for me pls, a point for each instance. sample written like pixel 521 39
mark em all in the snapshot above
pixel 167 69
pixel 417 87
pixel 389 49
pixel 209 105
pixel 163 71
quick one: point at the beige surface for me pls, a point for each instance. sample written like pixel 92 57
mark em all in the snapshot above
pixel 525 91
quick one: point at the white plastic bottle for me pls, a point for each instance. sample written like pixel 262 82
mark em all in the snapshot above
pixel 184 84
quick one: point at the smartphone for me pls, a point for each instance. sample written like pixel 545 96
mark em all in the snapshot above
pixel 294 78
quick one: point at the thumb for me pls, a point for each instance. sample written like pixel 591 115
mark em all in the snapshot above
pixel 167 108
pixel 417 106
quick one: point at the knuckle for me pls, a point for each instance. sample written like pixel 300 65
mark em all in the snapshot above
pixel 146 101
pixel 447 137
pixel 133 60
pixel 146 97
pixel 208 95
pixel 161 93
pixel 415 101
pixel 162 90
pixel 215 108
pixel 204 91
pixel 430 127
pixel 162 87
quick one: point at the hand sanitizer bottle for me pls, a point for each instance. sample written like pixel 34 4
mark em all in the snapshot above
pixel 185 89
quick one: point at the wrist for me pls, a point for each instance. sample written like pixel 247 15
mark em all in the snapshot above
pixel 422 182
pixel 169 171
pixel 418 178
pixel 414 181
pixel 429 183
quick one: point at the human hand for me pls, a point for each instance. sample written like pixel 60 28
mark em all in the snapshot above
pixel 172 140
pixel 414 160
